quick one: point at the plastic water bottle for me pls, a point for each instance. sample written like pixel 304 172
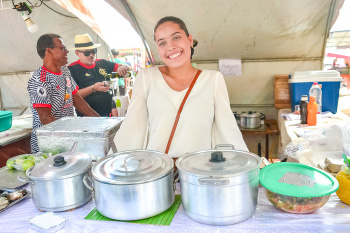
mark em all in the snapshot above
pixel 316 91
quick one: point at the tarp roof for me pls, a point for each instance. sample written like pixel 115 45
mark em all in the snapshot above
pixel 18 45
pixel 339 39
pixel 271 37
pixel 251 29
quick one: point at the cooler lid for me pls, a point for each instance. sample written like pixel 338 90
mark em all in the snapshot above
pixel 218 162
pixel 297 180
pixel 132 167
pixel 315 76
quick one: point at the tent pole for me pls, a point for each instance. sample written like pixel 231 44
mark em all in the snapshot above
pixel 261 60
pixel 328 28
pixel 138 29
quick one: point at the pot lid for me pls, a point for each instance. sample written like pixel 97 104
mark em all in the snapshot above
pixel 218 162
pixel 297 180
pixel 61 166
pixel 251 114
pixel 131 167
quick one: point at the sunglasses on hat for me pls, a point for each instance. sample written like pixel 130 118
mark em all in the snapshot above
pixel 87 53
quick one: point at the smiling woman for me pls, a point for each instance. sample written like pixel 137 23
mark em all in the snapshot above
pixel 176 108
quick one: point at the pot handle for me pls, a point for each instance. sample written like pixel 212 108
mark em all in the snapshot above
pixel 74 146
pixel 213 181
pixel 224 145
pixel 86 176
pixel 25 180
pixel 176 174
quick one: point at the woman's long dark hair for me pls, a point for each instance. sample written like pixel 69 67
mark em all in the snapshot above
pixel 179 22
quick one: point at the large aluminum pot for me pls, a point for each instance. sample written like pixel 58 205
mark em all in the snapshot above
pixel 57 182
pixel 250 120
pixel 132 185
pixel 219 187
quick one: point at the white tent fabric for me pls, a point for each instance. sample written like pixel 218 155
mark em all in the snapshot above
pixel 270 37
pixel 18 56
pixel 252 29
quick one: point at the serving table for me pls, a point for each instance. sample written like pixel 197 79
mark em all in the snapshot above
pixel 16 140
pixel 333 217
pixel 289 128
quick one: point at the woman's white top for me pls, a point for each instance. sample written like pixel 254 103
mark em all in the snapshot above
pixel 205 121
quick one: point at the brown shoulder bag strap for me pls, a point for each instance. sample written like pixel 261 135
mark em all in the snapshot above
pixel 180 110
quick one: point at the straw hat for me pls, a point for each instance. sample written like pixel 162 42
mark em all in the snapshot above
pixel 84 42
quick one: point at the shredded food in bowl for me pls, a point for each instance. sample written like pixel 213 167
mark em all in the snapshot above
pixel 296 205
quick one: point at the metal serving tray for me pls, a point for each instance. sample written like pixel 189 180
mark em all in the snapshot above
pixel 8 177
pixel 94 134
pixel 14 202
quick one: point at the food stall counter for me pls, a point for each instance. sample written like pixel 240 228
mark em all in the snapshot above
pixel 16 140
pixel 331 217
pixel 21 128
pixel 290 128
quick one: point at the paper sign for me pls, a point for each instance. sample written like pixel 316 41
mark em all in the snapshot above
pixel 230 67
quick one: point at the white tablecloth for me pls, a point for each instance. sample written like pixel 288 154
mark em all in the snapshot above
pixel 289 129
pixel 21 127
pixel 333 217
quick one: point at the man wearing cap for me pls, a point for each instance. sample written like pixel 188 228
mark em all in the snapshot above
pixel 52 90
pixel 89 73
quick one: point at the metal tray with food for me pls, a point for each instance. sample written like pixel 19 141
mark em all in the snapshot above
pixel 8 177
pixel 16 166
pixel 11 197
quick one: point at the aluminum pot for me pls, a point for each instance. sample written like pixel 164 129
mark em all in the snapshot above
pixel 250 120
pixel 57 182
pixel 132 185
pixel 219 187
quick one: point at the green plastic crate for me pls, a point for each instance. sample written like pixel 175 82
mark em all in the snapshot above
pixel 5 120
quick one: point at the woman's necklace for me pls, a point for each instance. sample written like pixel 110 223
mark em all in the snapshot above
pixel 184 85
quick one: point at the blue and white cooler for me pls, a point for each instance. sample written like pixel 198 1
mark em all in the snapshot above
pixel 300 83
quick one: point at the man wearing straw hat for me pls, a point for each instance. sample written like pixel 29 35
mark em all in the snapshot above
pixel 52 91
pixel 89 73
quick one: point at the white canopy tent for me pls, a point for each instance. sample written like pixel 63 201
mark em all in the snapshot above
pixel 270 37
pixel 18 56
